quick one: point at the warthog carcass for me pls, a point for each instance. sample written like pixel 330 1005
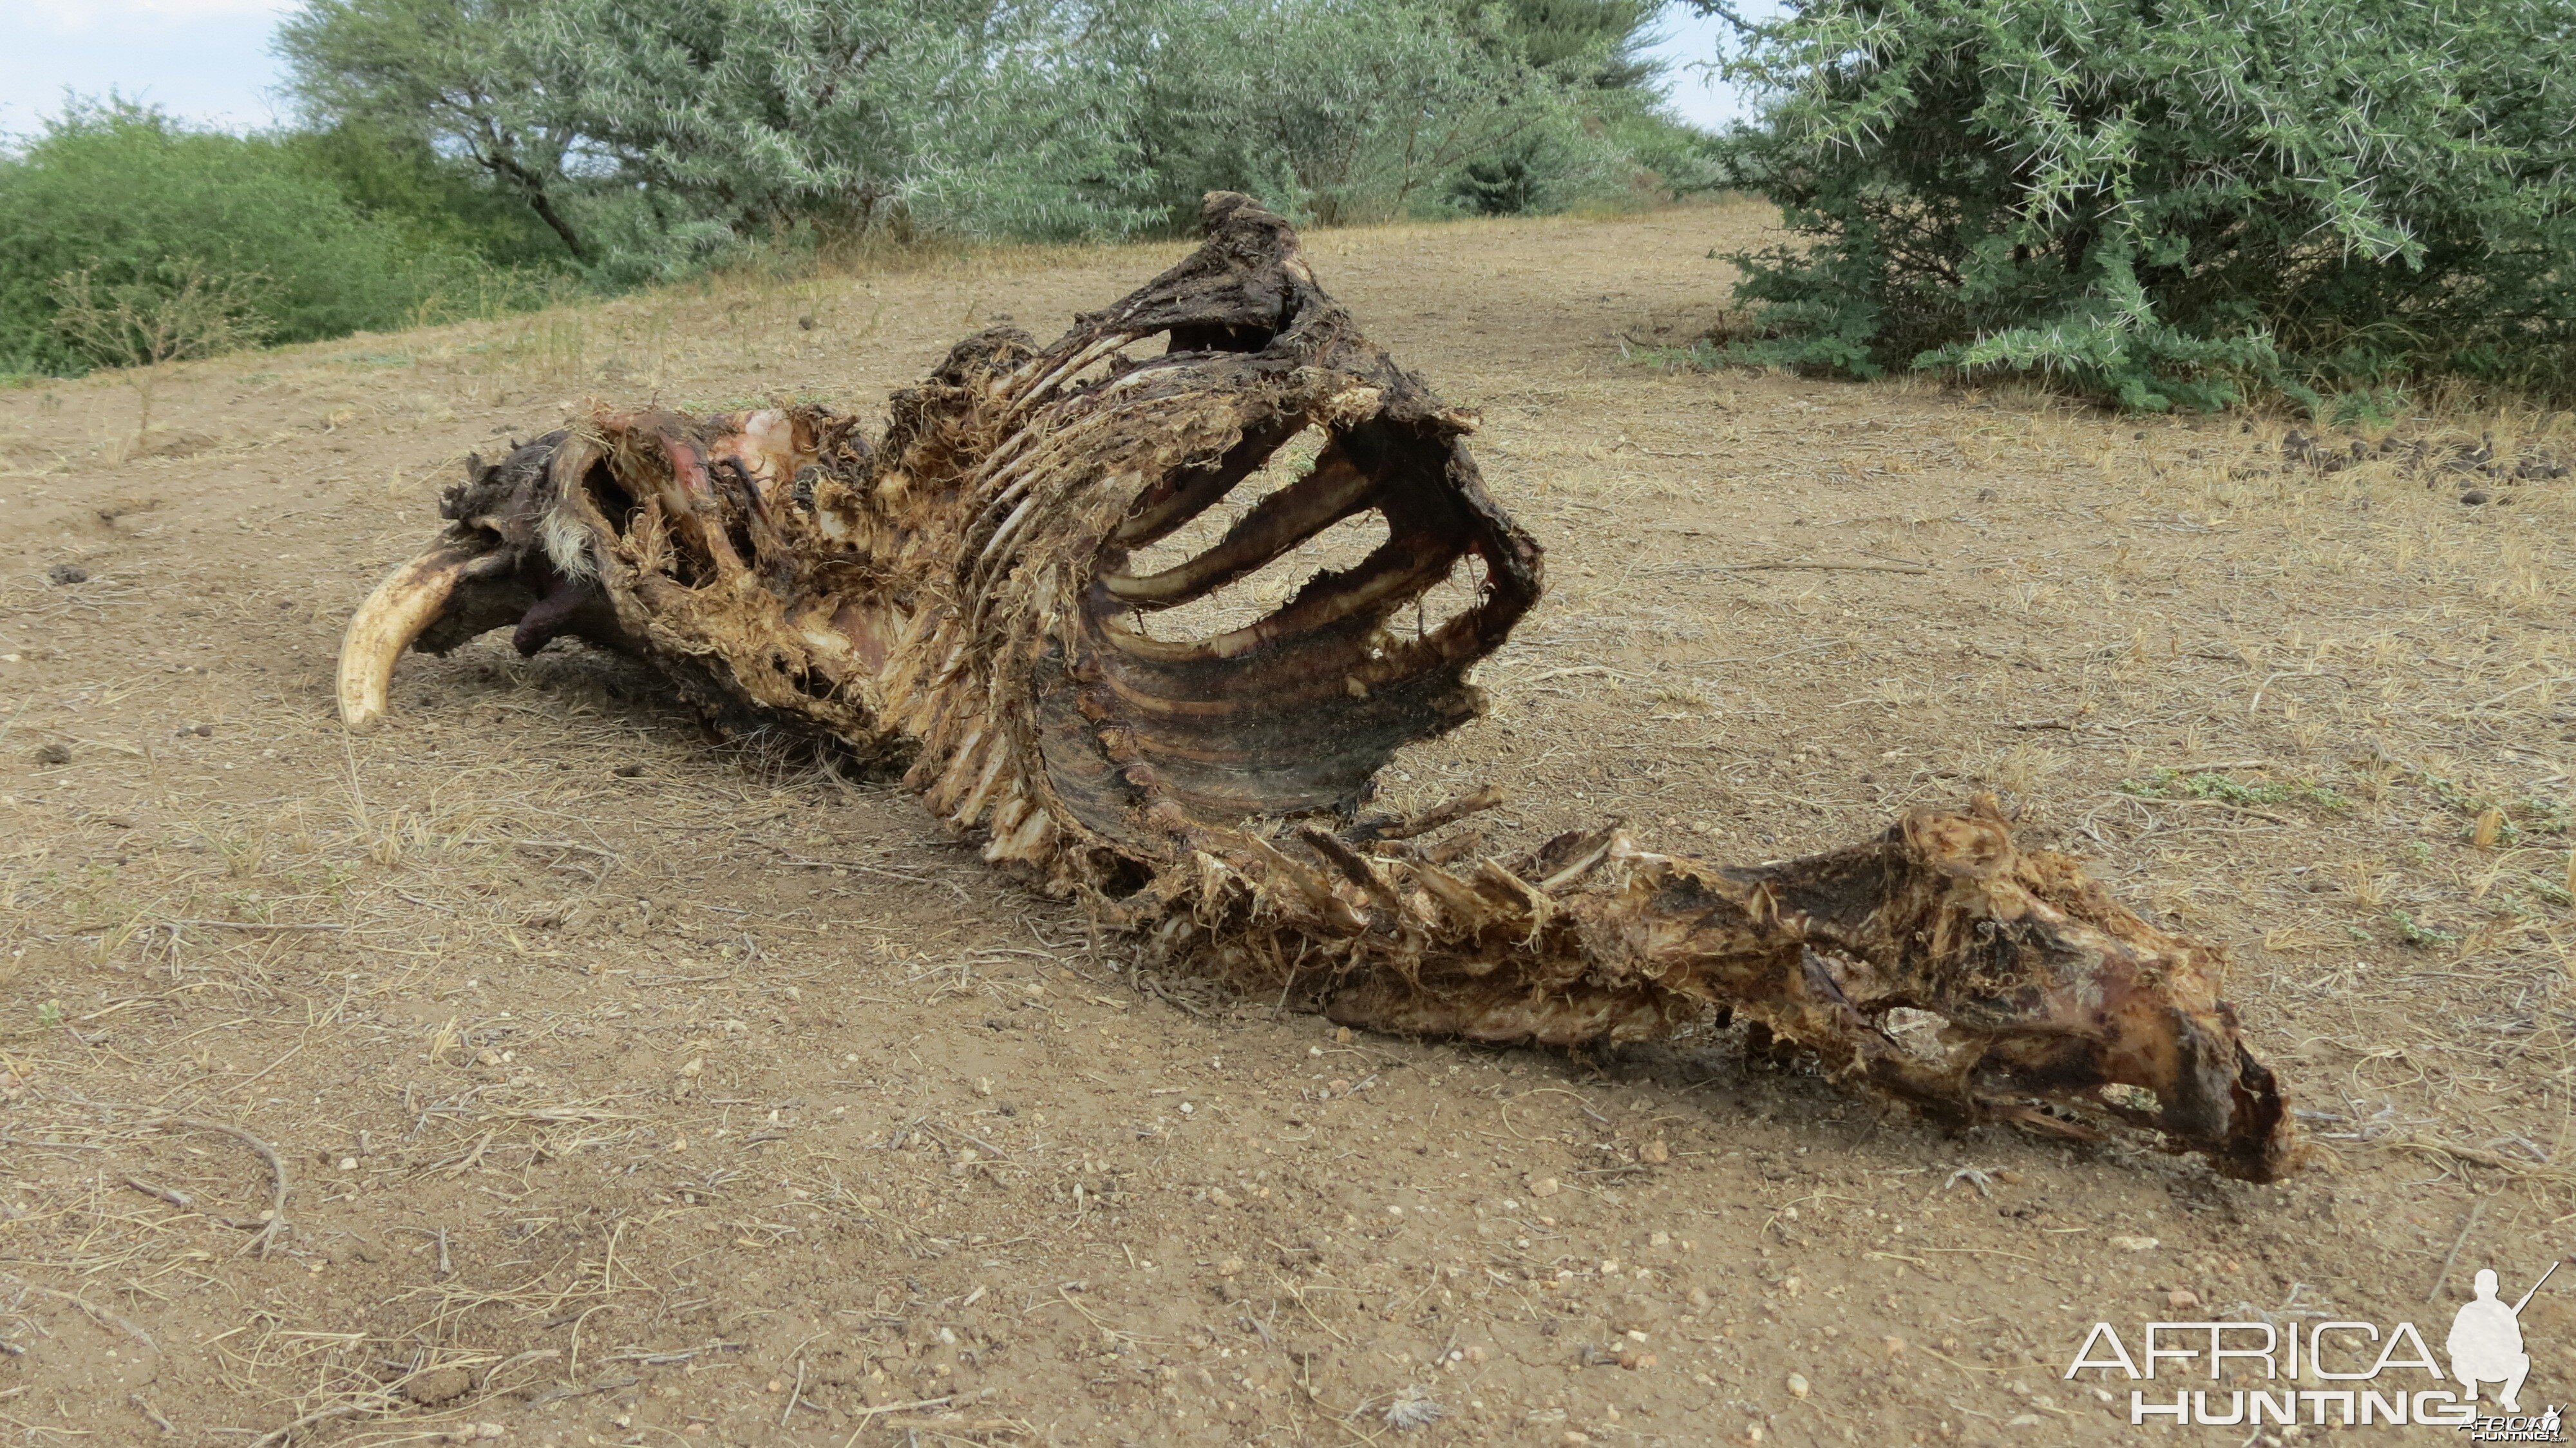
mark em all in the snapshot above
pixel 965 598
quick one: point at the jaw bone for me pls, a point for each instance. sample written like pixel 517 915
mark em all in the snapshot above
pixel 975 598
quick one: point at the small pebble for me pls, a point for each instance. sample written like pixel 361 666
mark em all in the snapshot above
pixel 1798 1386
pixel 1543 1187
pixel 63 575
pixel 1655 1153
pixel 2182 1297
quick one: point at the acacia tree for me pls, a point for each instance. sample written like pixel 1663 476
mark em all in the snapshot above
pixel 848 113
pixel 740 115
pixel 463 75
pixel 1348 110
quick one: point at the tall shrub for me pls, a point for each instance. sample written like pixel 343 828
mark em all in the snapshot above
pixel 1336 111
pixel 463 78
pixel 119 195
pixel 2167 202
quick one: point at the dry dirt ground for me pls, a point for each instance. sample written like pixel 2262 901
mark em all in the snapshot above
pixel 609 1086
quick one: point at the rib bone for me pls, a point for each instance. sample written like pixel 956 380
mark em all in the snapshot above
pixel 956 601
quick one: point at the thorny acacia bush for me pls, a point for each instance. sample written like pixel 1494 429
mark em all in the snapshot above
pixel 2167 202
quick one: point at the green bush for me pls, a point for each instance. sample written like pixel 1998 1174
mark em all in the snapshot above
pixel 2166 202
pixel 1339 111
pixel 124 197
pixel 658 137
pixel 402 178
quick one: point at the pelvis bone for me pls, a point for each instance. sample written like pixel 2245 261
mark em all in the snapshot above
pixel 988 597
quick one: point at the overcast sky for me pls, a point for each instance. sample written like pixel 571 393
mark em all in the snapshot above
pixel 208 60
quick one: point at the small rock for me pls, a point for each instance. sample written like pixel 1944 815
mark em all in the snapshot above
pixel 1655 1152
pixel 63 575
pixel 628 771
pixel 1543 1187
pixel 2182 1297
pixel 2134 1244
pixel 438 1387
pixel 51 755
pixel 805 322
pixel 487 1057
pixel 2022 1420
pixel 1230 1267
pixel 1798 1386
pixel 2474 497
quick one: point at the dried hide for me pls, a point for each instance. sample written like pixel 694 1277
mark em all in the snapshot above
pixel 993 597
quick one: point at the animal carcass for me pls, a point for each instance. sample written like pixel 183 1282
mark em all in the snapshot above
pixel 981 597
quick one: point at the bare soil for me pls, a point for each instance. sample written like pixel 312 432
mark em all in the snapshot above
pixel 624 1087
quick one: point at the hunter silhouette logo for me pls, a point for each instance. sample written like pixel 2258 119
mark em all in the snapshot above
pixel 2486 1341
pixel 2339 1373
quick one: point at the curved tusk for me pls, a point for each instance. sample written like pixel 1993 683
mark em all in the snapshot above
pixel 408 601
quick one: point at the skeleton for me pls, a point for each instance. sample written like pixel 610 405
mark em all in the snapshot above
pixel 964 599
